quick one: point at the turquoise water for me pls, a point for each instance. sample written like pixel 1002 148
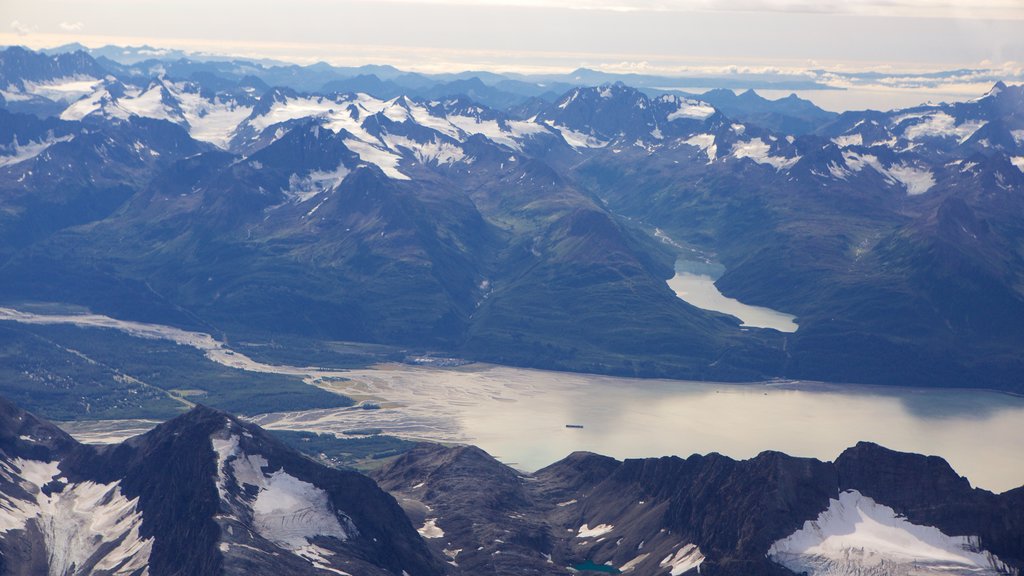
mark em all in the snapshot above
pixel 591 567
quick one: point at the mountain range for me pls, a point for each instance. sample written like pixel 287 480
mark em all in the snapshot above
pixel 207 493
pixel 527 231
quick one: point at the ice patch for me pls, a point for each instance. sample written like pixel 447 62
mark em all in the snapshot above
pixel 85 106
pixel 759 151
pixel 1018 161
pixel 85 522
pixel 493 131
pixel 149 104
pixel 66 89
pixel 385 160
pixel 301 189
pixel 856 536
pixel 940 125
pixel 685 559
pixel 692 109
pixel 295 108
pixel 16 152
pixel 916 180
pixel 214 121
pixel 705 142
pixel 286 510
pixel 436 150
pixel 578 139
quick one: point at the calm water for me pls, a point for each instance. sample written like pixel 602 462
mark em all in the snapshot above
pixel 520 416
pixel 694 282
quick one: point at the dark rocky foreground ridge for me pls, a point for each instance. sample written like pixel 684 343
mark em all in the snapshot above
pixel 166 502
pixel 727 512
pixel 208 494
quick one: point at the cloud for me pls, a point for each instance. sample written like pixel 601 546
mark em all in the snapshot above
pixel 71 26
pixel 22 29
pixel 960 9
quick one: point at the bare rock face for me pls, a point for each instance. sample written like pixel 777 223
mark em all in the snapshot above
pixel 708 514
pixel 201 494
pixel 208 494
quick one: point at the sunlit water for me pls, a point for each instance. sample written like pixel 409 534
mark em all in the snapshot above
pixel 694 282
pixel 520 415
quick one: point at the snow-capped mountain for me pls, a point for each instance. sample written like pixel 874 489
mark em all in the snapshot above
pixel 201 494
pixel 438 221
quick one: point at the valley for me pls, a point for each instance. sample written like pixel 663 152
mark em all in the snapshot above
pixel 486 405
pixel 361 321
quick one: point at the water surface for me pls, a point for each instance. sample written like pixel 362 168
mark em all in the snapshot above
pixel 694 282
pixel 520 415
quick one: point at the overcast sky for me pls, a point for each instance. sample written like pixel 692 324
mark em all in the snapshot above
pixel 667 37
pixel 662 36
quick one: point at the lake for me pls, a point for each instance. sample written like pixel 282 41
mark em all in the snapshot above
pixel 520 415
pixel 694 283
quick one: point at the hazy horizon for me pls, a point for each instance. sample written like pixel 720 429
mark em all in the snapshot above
pixel 825 42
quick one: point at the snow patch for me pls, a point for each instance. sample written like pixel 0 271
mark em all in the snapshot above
pixel 295 108
pixel 856 536
pixel 284 510
pixel 942 125
pixel 66 89
pixel 437 151
pixel 386 160
pixel 705 142
pixel 430 529
pixel 692 109
pixel 632 564
pixel 759 151
pixel 16 152
pixel 916 180
pixel 586 531
pixel 301 189
pixel 83 523
pixel 149 104
pixel 287 511
pixel 848 140
pixel 685 559
pixel 578 139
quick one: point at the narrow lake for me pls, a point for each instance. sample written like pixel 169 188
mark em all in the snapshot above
pixel 694 283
